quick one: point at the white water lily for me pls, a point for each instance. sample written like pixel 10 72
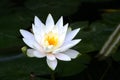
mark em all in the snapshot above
pixel 51 40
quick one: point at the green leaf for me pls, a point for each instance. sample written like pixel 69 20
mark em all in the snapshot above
pixel 10 41
pixel 101 32
pixel 21 68
pixel 85 46
pixel 93 36
pixel 111 18
pixel 116 55
pixel 73 67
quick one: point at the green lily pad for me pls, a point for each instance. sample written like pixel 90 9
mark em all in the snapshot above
pixel 9 33
pixel 21 68
pixel 112 18
pixel 93 36
pixel 39 67
pixel 116 55
pixel 73 67
pixel 85 46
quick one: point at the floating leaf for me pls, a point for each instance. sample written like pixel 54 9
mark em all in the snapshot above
pixel 85 34
pixel 93 36
pixel 9 32
pixel 116 55
pixel 73 67
pixel 111 18
pixel 21 68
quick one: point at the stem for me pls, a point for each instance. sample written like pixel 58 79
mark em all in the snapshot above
pixel 52 75
pixel 32 76
pixel 111 44
pixel 108 67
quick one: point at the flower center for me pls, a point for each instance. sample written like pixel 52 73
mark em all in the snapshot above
pixel 51 39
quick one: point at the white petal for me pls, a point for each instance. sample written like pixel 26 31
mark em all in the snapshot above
pixel 37 22
pixel 66 25
pixel 29 42
pixel 50 56
pixel 67 45
pixel 62 33
pixel 72 53
pixel 49 23
pixel 30 53
pixel 63 57
pixel 63 30
pixel 26 34
pixel 38 47
pixel 70 35
pixel 52 64
pixel 32 43
pixel 39 54
pixel 38 33
pixel 60 22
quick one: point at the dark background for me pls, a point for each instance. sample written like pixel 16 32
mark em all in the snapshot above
pixel 97 20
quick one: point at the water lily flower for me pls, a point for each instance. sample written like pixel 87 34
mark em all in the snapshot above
pixel 51 40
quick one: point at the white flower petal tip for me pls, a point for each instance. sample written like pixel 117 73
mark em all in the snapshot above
pixel 67 45
pixel 36 20
pixel 80 40
pixel 71 34
pixel 60 22
pixel 52 64
pixel 72 53
pixel 63 57
pixel 49 20
pixel 23 32
pixel 77 30
pixel 66 25
pixel 26 34
pixel 76 41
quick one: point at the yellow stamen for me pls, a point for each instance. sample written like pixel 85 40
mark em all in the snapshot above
pixel 51 39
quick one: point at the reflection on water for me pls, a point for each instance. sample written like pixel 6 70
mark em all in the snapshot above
pixel 8 58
